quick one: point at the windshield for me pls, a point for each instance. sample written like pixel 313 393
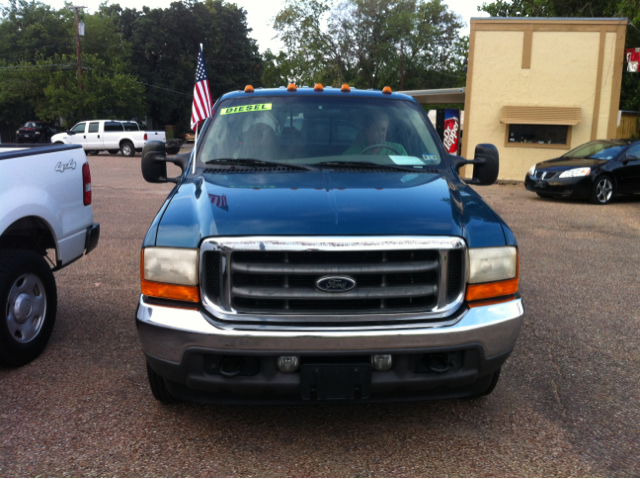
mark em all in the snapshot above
pixel 601 150
pixel 313 130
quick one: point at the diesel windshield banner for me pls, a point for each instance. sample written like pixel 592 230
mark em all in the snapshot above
pixel 451 130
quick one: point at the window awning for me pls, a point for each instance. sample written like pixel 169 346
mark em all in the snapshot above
pixel 539 115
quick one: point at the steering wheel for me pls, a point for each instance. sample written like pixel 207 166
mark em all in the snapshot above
pixel 380 145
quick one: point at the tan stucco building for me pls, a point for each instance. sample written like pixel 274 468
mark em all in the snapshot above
pixel 539 87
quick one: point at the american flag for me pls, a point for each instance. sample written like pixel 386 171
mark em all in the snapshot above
pixel 202 104
pixel 220 201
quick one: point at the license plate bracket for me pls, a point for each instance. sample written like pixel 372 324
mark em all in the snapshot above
pixel 326 382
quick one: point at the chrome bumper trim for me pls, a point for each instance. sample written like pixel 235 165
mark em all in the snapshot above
pixel 167 333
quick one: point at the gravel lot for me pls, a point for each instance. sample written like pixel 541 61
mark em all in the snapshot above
pixel 567 404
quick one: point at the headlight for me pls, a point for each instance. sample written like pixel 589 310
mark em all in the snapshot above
pixel 170 273
pixel 492 264
pixel 575 173
pixel 532 170
pixel 171 265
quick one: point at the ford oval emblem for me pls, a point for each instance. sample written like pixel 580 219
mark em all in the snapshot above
pixel 335 284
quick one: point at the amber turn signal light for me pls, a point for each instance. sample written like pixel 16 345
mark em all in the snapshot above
pixel 387 90
pixel 345 88
pixel 476 292
pixel 292 87
pixel 318 87
pixel 248 89
pixel 170 291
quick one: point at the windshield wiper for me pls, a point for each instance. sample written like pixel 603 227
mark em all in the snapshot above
pixel 254 162
pixel 369 164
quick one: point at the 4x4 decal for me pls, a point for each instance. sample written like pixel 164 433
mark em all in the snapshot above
pixel 70 165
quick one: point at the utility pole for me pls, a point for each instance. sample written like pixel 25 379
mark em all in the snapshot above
pixel 78 53
pixel 401 65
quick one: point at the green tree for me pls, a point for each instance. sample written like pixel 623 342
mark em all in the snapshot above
pixel 363 42
pixel 38 67
pixel 165 44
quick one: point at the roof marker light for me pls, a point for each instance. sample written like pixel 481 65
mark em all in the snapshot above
pixel 345 88
pixel 248 89
pixel 387 90
pixel 292 87
pixel 318 87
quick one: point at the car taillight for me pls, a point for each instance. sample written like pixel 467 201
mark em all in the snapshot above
pixel 145 137
pixel 86 184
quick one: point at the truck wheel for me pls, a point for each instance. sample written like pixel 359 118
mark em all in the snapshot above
pixel 28 306
pixel 159 388
pixel 113 152
pixel 127 148
pixel 92 152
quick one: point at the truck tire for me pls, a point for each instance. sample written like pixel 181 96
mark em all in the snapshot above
pixel 127 148
pixel 113 152
pixel 28 306
pixel 159 388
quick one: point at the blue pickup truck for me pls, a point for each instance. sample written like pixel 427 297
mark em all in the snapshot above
pixel 319 246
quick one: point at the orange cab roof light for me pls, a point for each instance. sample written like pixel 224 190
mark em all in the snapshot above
pixel 345 88
pixel 318 87
pixel 387 90
pixel 248 89
pixel 292 87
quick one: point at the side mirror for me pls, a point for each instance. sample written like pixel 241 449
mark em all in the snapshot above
pixel 629 158
pixel 154 163
pixel 486 164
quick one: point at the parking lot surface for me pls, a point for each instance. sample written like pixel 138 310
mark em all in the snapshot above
pixel 567 404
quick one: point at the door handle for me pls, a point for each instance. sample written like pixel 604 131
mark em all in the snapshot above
pixel 85 137
pixel 98 136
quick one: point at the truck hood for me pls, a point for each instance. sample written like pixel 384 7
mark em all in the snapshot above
pixel 59 137
pixel 328 202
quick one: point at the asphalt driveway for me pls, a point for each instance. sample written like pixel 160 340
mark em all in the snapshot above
pixel 568 402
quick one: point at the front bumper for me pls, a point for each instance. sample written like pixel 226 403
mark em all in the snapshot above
pixel 181 345
pixel 579 187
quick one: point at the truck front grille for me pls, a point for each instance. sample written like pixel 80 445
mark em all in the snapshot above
pixel 280 284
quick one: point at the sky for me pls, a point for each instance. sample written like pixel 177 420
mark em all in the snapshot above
pixel 260 14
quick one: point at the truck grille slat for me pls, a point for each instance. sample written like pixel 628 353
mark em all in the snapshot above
pixel 314 269
pixel 360 293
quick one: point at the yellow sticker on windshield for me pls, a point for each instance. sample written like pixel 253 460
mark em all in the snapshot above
pixel 246 108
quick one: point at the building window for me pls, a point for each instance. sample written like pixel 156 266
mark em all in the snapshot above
pixel 540 134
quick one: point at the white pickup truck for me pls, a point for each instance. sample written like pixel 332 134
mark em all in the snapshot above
pixel 111 135
pixel 46 223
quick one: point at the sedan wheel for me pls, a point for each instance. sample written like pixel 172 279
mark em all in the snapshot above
pixel 602 191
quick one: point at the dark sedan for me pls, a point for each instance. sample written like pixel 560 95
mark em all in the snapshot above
pixel 596 171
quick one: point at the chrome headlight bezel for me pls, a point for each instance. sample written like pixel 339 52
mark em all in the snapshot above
pixel 492 264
